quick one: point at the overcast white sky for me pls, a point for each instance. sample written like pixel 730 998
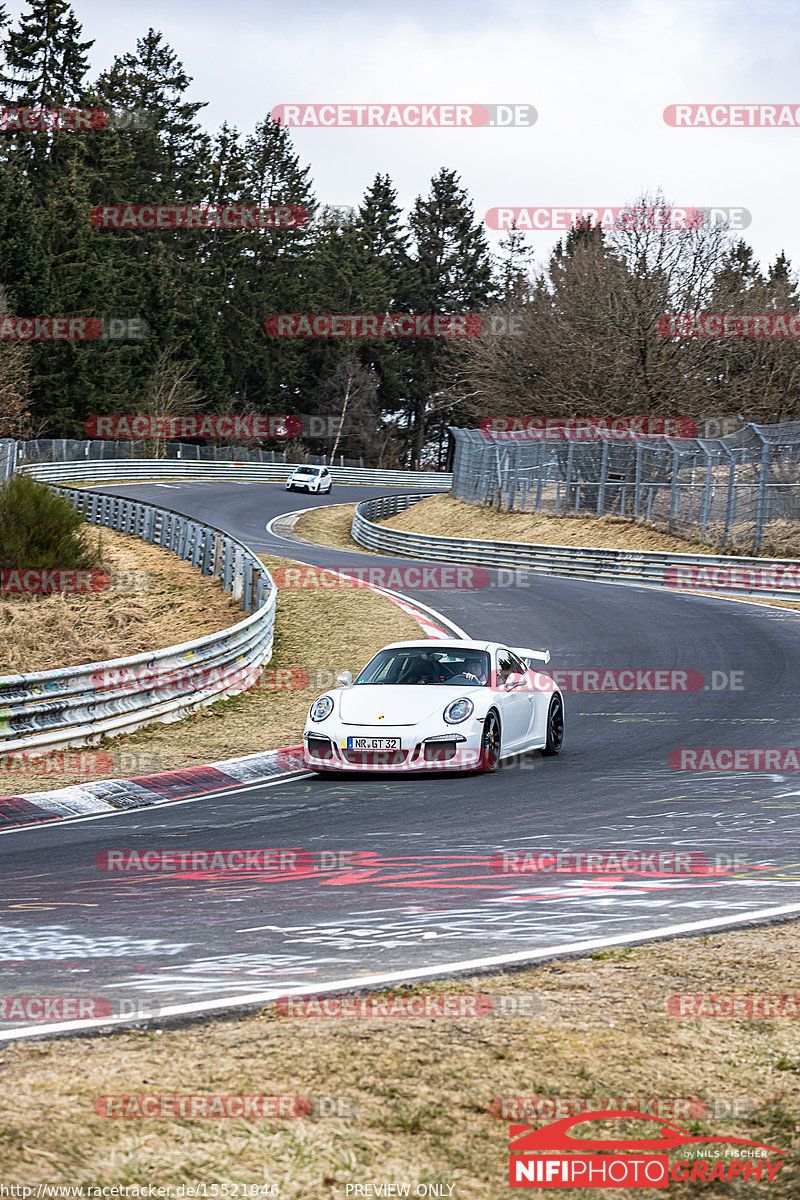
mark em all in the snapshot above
pixel 599 75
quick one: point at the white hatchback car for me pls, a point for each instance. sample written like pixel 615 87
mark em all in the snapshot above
pixel 310 479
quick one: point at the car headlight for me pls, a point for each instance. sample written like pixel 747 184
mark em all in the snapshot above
pixel 321 708
pixel 458 711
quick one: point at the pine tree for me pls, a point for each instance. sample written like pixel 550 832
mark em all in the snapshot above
pixel 452 273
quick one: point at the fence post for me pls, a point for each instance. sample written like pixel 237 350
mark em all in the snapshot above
pixel 637 487
pixel 675 490
pixel 762 488
pixel 706 494
pixel 567 481
pixel 601 491
pixel 540 480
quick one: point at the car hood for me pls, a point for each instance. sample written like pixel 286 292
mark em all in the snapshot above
pixel 398 704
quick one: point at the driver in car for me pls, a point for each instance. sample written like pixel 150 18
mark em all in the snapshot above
pixel 474 671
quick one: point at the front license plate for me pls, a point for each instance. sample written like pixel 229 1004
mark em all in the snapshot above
pixel 376 743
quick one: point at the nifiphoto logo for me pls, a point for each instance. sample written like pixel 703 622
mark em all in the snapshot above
pixel 570 1153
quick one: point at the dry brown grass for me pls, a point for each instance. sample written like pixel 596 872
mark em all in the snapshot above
pixel 165 595
pixel 446 517
pixel 329 525
pixel 317 634
pixel 424 1086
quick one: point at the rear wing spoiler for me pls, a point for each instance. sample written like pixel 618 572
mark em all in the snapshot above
pixel 531 656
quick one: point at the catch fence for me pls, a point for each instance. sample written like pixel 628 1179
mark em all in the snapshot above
pixel 741 491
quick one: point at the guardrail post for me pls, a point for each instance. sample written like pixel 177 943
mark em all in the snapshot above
pixel 237 581
pixel 227 566
pixel 208 540
pixel 197 548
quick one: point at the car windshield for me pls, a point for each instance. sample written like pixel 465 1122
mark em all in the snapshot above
pixel 418 665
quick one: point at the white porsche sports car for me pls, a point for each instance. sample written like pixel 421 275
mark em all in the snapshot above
pixel 427 705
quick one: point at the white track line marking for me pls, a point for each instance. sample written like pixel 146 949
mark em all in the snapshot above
pixel 359 982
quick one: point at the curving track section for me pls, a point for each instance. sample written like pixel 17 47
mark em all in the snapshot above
pixel 421 897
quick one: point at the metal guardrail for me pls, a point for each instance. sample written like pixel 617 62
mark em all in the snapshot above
pixel 679 572
pixel 98 470
pixel 77 706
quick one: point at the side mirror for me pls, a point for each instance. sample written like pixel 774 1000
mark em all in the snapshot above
pixel 345 678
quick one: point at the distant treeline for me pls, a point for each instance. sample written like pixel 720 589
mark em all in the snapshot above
pixel 581 336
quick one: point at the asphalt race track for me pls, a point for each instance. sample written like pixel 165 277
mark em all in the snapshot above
pixel 421 896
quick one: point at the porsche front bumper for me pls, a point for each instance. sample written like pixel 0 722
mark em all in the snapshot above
pixel 448 751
